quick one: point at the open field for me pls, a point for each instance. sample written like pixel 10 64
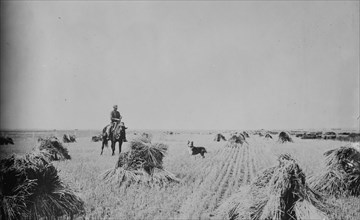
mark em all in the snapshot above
pixel 205 183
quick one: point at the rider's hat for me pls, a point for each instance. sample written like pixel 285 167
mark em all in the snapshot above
pixel 115 106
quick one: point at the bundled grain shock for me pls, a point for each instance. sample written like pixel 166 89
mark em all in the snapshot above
pixel 72 138
pixel 268 136
pixel 219 137
pixel 53 148
pixel 31 189
pixel 96 138
pixel 278 193
pixel 67 138
pixel 341 176
pixel 6 140
pixel 235 140
pixel 246 134
pixel 284 137
pixel 143 163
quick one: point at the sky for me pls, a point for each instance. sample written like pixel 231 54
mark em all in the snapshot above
pixel 180 65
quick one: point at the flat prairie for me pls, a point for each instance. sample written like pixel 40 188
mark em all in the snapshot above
pixel 205 182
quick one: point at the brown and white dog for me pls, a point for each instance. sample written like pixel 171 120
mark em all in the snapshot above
pixel 196 150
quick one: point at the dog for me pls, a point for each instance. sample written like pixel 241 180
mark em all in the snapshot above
pixel 196 150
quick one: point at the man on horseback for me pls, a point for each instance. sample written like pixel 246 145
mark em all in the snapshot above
pixel 114 132
pixel 115 119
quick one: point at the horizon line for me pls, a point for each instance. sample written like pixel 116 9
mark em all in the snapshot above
pixel 176 129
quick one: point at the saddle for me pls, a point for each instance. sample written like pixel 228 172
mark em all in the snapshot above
pixel 118 130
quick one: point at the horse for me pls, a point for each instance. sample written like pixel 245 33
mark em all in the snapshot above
pixel 115 135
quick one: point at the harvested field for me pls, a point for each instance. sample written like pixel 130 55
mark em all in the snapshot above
pixel 204 185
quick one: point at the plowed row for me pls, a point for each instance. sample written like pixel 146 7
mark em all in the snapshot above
pixel 225 170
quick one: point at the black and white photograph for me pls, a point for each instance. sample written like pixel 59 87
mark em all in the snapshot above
pixel 204 109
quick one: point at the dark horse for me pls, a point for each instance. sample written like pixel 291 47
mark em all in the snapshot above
pixel 118 135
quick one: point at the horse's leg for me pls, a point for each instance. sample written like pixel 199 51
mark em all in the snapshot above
pixel 120 144
pixel 113 147
pixel 102 148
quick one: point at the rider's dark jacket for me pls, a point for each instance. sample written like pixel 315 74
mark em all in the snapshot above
pixel 115 114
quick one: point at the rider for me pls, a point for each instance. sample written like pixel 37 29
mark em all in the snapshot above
pixel 115 118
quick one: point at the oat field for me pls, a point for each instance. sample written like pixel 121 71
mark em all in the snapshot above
pixel 205 182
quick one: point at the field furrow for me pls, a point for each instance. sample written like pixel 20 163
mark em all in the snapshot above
pixel 225 186
pixel 233 182
pixel 209 201
pixel 247 174
pixel 256 157
pixel 224 182
pixel 225 171
pixel 195 201
pixel 240 176
pixel 262 152
pixel 229 181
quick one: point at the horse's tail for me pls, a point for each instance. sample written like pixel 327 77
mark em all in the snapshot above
pixel 104 129
pixel 104 136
